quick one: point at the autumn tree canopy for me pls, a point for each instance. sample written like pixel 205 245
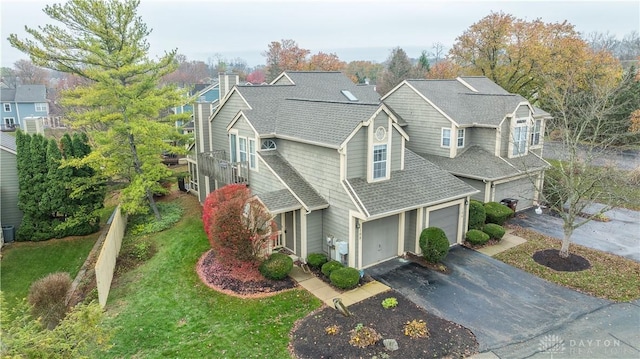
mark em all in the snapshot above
pixel 286 55
pixel 398 69
pixel 187 72
pixel 519 54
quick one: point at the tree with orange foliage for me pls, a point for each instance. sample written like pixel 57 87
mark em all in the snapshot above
pixel 238 225
pixel 521 55
pixel 284 55
pixel 361 71
pixel 326 62
pixel 444 69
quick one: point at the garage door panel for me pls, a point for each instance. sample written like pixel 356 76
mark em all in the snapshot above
pixel 446 219
pixel 522 190
pixel 379 240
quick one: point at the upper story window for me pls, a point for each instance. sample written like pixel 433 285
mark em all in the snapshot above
pixel 268 144
pixel 41 107
pixel 461 138
pixel 242 149
pixel 446 138
pixel 233 140
pixel 379 161
pixel 535 133
pixel 252 153
pixel 7 107
pixel 519 140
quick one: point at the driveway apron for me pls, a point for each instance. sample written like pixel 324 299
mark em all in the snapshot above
pixel 620 236
pixel 499 303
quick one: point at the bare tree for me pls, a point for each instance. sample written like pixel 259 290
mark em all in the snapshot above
pixel 30 74
pixel 582 120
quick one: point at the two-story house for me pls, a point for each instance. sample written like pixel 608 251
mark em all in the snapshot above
pixel 23 102
pixel 331 163
pixel 473 128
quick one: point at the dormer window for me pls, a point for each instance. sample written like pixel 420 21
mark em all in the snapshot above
pixel 446 138
pixel 268 144
pixel 379 162
pixel 461 138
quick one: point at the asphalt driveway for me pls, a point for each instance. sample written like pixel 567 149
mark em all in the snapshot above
pixel 500 304
pixel 621 235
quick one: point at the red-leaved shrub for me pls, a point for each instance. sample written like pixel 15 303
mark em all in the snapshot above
pixel 238 225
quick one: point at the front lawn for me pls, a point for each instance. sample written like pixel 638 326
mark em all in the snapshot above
pixel 610 276
pixel 24 262
pixel 162 309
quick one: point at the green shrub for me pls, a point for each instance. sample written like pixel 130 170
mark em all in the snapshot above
pixel 316 260
pixel 497 213
pixel 475 236
pixel 47 297
pixel 329 267
pixel 477 215
pixel 494 231
pixel 147 223
pixel 345 278
pixel 390 302
pixel 277 266
pixel 434 244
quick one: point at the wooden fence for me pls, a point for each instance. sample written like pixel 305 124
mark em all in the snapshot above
pixel 106 263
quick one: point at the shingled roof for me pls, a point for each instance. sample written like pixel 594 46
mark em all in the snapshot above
pixel 475 162
pixel 420 184
pixel 300 189
pixel 8 142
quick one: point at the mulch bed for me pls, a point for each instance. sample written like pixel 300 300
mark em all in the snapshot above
pixel 551 258
pixel 446 339
pixel 220 278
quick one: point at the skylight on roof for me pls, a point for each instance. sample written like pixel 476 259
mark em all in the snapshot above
pixel 349 95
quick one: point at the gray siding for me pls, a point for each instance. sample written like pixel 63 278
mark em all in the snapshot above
pixel 201 114
pixel 424 121
pixel 320 167
pixel 244 129
pixel 483 137
pixel 505 137
pixel 410 220
pixel 283 81
pixel 10 214
pixel 315 240
pixel 477 184
pixel 264 181
pixel 357 155
pixel 396 149
pixel 523 111
pixel 219 124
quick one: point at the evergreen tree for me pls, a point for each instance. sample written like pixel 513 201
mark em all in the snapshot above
pixel 55 200
pixel 422 67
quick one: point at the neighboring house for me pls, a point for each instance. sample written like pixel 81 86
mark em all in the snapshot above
pixel 23 102
pixel 10 215
pixel 473 128
pixel 331 163
pixel 202 93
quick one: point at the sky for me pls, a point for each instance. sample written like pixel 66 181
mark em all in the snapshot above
pixel 353 29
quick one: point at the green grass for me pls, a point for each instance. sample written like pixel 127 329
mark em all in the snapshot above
pixel 610 276
pixel 162 309
pixel 24 262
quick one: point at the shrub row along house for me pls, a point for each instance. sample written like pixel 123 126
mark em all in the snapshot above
pixel 355 177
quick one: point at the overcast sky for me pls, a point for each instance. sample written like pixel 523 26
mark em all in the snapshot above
pixel 354 30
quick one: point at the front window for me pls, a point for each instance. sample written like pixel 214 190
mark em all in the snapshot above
pixel 252 153
pixel 519 140
pixel 7 107
pixel 41 107
pixel 446 137
pixel 379 161
pixel 9 121
pixel 242 149
pixel 461 138
pixel 535 134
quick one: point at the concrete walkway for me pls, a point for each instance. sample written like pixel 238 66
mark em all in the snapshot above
pixel 508 241
pixel 326 293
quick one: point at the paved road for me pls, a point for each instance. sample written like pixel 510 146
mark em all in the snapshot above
pixel 621 235
pixel 500 304
pixel 627 160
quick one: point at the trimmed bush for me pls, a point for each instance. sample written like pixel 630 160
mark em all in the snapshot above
pixel 47 297
pixel 497 213
pixel 434 244
pixel 345 278
pixel 277 267
pixel 477 214
pixel 329 267
pixel 316 260
pixel 475 236
pixel 494 231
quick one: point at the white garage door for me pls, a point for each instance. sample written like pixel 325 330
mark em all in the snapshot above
pixel 446 219
pixel 521 189
pixel 379 240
